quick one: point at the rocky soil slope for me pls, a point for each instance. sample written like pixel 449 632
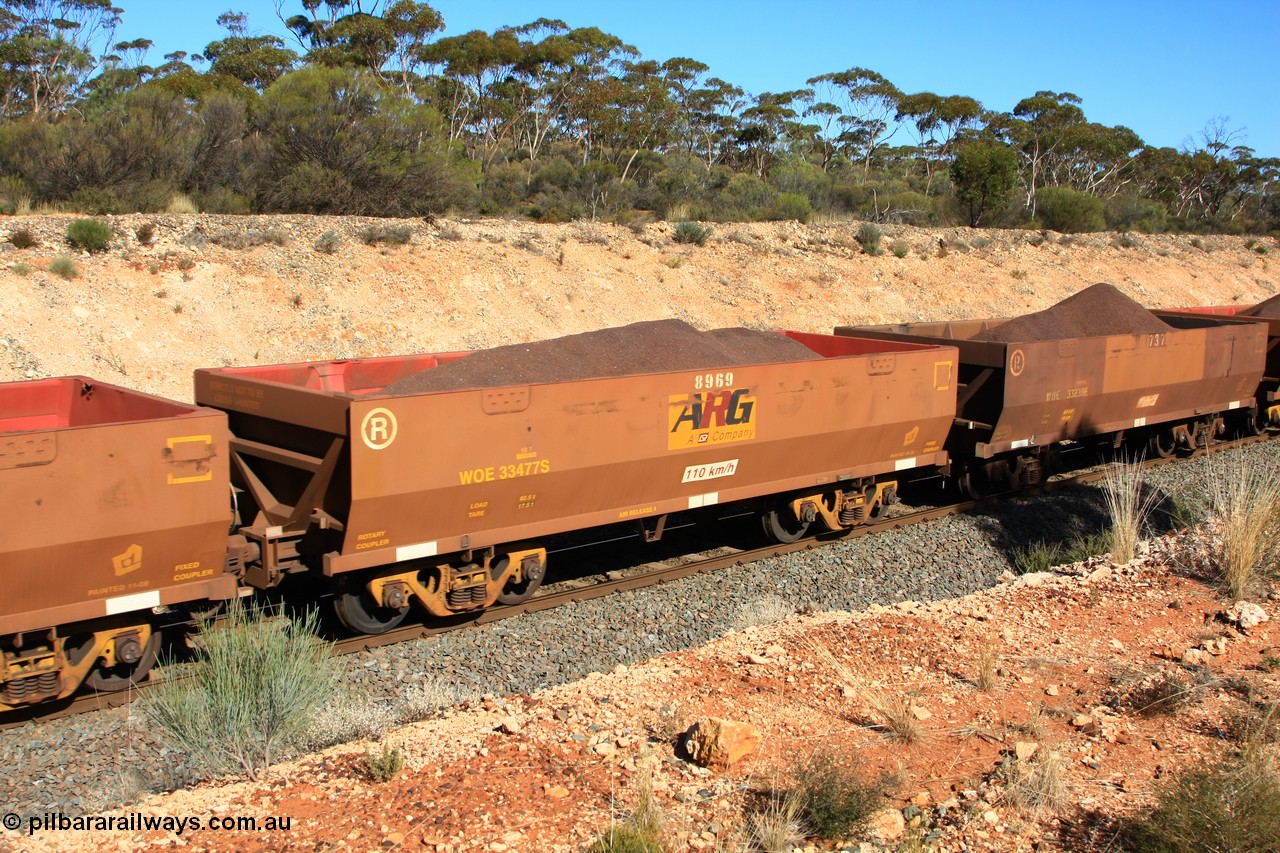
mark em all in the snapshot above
pixel 215 290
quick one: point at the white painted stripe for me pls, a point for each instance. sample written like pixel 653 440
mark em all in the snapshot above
pixel 130 603
pixel 413 552
pixel 1234 405
pixel 1139 422
pixel 904 464
pixel 1020 443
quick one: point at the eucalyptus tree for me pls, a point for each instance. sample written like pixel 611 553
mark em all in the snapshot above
pixel 49 50
pixel 868 103
pixel 939 121
pixel 770 125
pixel 253 61
pixel 1040 127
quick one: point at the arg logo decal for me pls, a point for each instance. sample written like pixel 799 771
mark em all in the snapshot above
pixel 703 418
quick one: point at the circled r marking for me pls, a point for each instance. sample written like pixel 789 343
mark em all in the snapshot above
pixel 1017 362
pixel 378 429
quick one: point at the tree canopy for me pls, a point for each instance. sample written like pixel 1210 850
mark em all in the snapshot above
pixel 371 107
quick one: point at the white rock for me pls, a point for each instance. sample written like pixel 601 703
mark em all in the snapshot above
pixel 1246 615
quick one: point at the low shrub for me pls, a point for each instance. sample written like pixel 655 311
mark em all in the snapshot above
pixel 791 206
pixel 146 233
pixel 257 684
pixel 21 268
pixel 1069 211
pixel 901 248
pixel 1231 805
pixel 691 233
pixel 64 267
pixel 346 717
pixel 391 235
pixel 92 235
pixel 870 235
pixel 834 800
pixel 251 238
pixel 384 766
pixel 23 239
pixel 328 242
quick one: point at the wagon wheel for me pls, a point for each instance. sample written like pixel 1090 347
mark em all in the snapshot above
pixel 1162 444
pixel 1254 421
pixel 519 593
pixel 358 611
pixel 781 525
pixel 133 662
pixel 975 481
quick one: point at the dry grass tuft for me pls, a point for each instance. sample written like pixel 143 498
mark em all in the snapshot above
pixel 893 711
pixel 985 678
pixel 1037 782
pixel 1129 504
pixel 777 828
pixel 180 203
pixel 1244 524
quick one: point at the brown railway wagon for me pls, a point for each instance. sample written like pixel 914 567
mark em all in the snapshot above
pixel 114 503
pixel 446 496
pixel 1268 395
pixel 1018 399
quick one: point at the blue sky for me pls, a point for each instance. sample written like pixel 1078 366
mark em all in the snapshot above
pixel 1163 69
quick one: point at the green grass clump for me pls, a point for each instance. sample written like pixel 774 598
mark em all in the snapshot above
pixel 1041 556
pixel 257 683
pixel 691 233
pixel 21 268
pixel 64 267
pixel 92 235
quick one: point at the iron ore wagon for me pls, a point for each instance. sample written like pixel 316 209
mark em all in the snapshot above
pixel 1094 366
pixel 115 506
pixel 439 478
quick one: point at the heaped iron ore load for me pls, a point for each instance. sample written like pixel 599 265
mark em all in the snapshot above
pixel 1266 406
pixel 652 347
pixel 115 503
pixel 1267 310
pixel 439 477
pixel 1030 383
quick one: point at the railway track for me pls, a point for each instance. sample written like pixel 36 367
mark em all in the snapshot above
pixel 554 597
